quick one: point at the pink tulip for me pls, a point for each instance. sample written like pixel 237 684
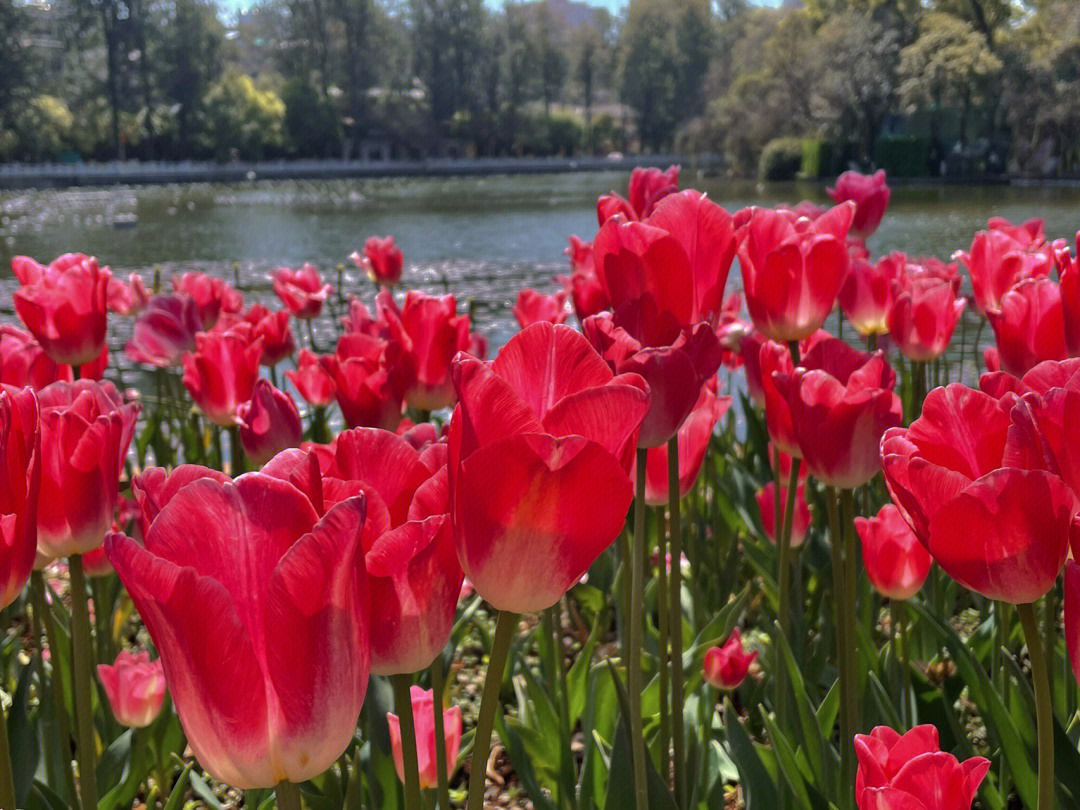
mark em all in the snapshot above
pixel 870 193
pixel 220 374
pixel 135 687
pixel 533 306
pixel 896 562
pixel 21 468
pixel 302 291
pixel 269 423
pixel 423 709
pixel 727 666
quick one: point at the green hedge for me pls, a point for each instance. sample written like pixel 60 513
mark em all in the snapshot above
pixel 902 155
pixel 824 158
pixel 781 159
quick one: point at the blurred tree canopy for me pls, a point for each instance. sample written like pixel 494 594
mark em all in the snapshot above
pixel 939 85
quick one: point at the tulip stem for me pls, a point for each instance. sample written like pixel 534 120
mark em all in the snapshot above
pixel 320 429
pixel 82 668
pixel 237 465
pixel 566 762
pixel 403 704
pixel 783 523
pixel 56 685
pixel 632 653
pixel 662 628
pixel 489 704
pixel 851 602
pixel 847 751
pixel 288 796
pixel 438 688
pixel 7 777
pixel 1044 711
pixel 678 733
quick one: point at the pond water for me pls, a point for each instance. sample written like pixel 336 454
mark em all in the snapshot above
pixel 483 238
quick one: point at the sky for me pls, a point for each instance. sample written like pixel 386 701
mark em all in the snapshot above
pixel 614 6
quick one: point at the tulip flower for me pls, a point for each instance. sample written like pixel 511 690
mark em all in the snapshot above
pixel 135 687
pixel 312 381
pixel 584 287
pixel 792 272
pixel 64 306
pixel 533 306
pixel 867 294
pixel 212 296
pixel 302 291
pixel 911 772
pixel 164 331
pixel 1031 233
pixel 96 563
pixel 694 436
pixel 220 374
pixel 841 401
pixel 950 474
pixel 413 572
pixel 800 523
pixel 269 423
pixel 540 434
pixel 430 333
pixel 275 331
pixel 726 667
pixel 1069 277
pixel 997 262
pixel 1029 326
pixel 21 467
pixel 382 260
pixel 896 563
pixel 24 363
pixel 423 709
pixel 85 434
pixel 923 316
pixel 647 187
pixel 1039 380
pixel 870 193
pixel 368 389
pixel 258 608
pixel 127 299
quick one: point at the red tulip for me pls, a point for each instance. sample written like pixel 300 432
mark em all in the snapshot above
pixel 647 187
pixel 412 566
pixel 127 299
pixel 85 434
pixel 867 294
pixel 366 385
pixel 726 667
pixel 423 709
pixel 896 563
pixel 694 438
pixel 64 306
pixel 1029 326
pixel 96 563
pixel 841 401
pixel 997 262
pixel 258 608
pixel 870 193
pixel 269 423
pixel 302 291
pixel 212 296
pixel 533 306
pixel 1029 234
pixel 1069 276
pixel 430 332
pixel 95 369
pixel 766 501
pixel 952 475
pixel 135 687
pixel 24 363
pixel 584 287
pixel 275 331
pixel 20 465
pixel 541 435
pixel 911 772
pixel 221 373
pixel 923 316
pixel 312 381
pixel 793 272
pixel 382 260
pixel 165 330
pixel 775 358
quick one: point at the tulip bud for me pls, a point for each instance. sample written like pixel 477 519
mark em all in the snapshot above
pixel 269 423
pixel 423 709
pixel 135 687
pixel 896 562
pixel 726 667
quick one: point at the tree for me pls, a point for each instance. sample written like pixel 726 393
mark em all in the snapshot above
pixel 648 67
pixel 554 65
pixel 188 60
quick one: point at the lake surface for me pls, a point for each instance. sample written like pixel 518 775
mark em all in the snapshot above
pixel 482 238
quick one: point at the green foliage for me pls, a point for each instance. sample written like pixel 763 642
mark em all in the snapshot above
pixel 824 158
pixel 902 155
pixel 311 121
pixel 242 120
pixel 781 159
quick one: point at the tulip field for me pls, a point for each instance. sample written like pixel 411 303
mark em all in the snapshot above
pixel 739 518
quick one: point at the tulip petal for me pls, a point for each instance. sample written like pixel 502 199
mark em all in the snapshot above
pixel 386 463
pixel 888 798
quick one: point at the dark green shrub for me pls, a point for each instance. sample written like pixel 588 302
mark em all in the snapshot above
pixel 902 155
pixel 781 159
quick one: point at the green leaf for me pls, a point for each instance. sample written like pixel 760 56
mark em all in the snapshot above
pixel 22 739
pixel 758 784
pixel 177 794
pixel 203 791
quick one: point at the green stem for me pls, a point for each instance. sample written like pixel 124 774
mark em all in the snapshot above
pixel 678 733
pixel 237 462
pixel 1044 711
pixel 662 627
pixel 784 572
pixel 288 796
pixel 320 428
pixel 851 582
pixel 566 761
pixel 56 684
pixel 82 667
pixel 489 703
pixel 403 704
pixel 438 688
pixel 847 751
pixel 7 775
pixel 632 653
